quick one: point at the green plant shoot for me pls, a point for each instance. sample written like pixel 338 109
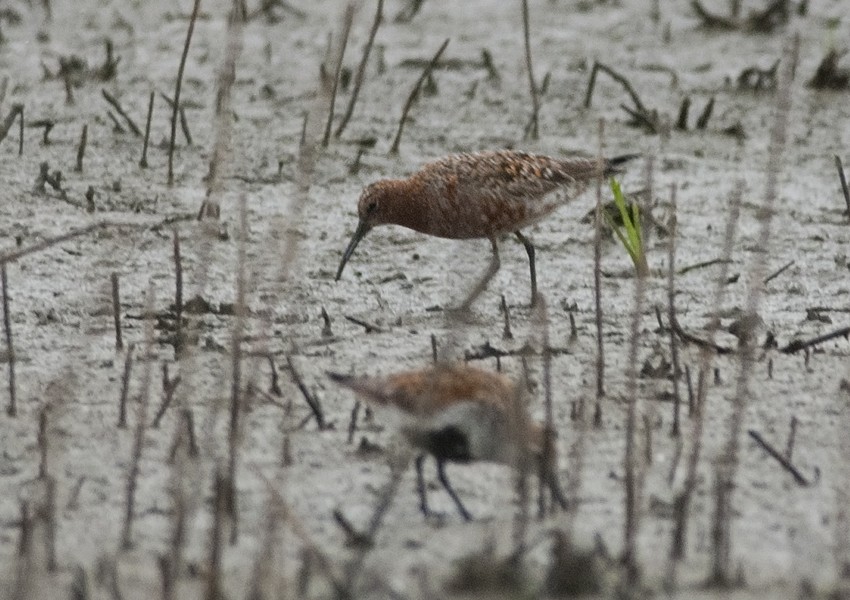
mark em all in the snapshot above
pixel 632 238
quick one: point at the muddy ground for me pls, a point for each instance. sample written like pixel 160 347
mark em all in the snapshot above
pixel 785 536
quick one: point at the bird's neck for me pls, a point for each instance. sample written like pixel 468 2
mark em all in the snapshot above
pixel 405 203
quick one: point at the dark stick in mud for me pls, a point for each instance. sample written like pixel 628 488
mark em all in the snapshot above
pixel 782 460
pixel 346 29
pixel 506 333
pixel 47 243
pixel 414 93
pixel 797 345
pixel 843 180
pixel 195 6
pixel 21 132
pixel 779 271
pixel 141 426
pixel 12 408
pixel 41 438
pixel 532 130
pixel 221 500
pixel 81 148
pixel 361 70
pixel 312 401
pixel 178 283
pixel 671 311
pixel 116 310
pixel 236 367
pixel 597 291
pixel 143 163
pixel 168 387
pixel 120 110
pixel 6 125
pixel 125 388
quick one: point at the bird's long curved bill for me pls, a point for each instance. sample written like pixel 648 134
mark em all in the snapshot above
pixel 362 229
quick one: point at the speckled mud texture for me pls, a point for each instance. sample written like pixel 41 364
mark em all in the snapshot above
pixel 307 490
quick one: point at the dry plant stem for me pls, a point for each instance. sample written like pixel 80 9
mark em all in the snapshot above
pixel 312 402
pixel 696 400
pixel 81 148
pixel 184 126
pixel 361 70
pixel 414 93
pixel 532 131
pixel 597 290
pixel 12 407
pixel 195 6
pixel 797 345
pixel 212 589
pixel 141 426
pixel 116 311
pixel 125 388
pixel 47 243
pixel 16 111
pixel 143 163
pixel 843 179
pixel 42 442
pixel 178 282
pixel 779 271
pixel 340 53
pixel 236 366
pixel 597 66
pixel 225 79
pixel 841 529
pixel 782 460
pixel 21 132
pixel 117 106
pixel 721 570
pixel 671 311
pixel 634 470
pixel 49 515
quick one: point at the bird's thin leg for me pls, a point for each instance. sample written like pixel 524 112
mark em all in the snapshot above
pixel 420 484
pixel 479 287
pixel 441 474
pixel 550 479
pixel 529 249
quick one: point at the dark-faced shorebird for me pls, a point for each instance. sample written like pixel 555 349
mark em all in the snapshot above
pixel 457 413
pixel 480 195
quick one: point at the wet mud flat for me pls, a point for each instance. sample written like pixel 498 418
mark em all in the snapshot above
pixel 260 487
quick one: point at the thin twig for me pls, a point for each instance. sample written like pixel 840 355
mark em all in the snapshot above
pixel 346 29
pixel 125 388
pixel 843 180
pixel 195 6
pixel 81 148
pixel 414 93
pixel 116 310
pixel 779 271
pixel 312 402
pixel 597 289
pixel 47 243
pixel 12 408
pixel 797 345
pixel 532 130
pixel 361 70
pixel 786 464
pixel 143 163
pixel 120 110
pixel 671 310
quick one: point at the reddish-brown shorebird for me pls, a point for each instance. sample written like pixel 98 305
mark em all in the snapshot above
pixel 457 413
pixel 480 195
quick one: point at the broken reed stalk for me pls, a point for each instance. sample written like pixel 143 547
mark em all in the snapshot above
pixel 141 424
pixel 16 111
pixel 120 110
pixel 312 401
pixel 597 289
pixel 41 438
pixel 671 311
pixel 633 467
pixel 721 568
pixel 361 70
pixel 12 408
pixel 236 366
pixel 168 388
pixel 221 496
pixel 841 531
pixel 143 162
pixel 14 255
pixel 223 123
pixel 125 388
pixel 21 132
pixel 414 93
pixel 682 500
pixel 178 284
pixel 340 53
pixel 116 311
pixel 184 125
pixel 195 6
pixel 843 180
pixel 81 148
pixel 532 130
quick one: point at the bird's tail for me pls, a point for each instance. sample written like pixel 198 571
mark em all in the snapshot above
pixel 612 165
pixel 371 389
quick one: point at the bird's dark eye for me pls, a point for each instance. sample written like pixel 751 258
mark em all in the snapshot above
pixel 373 204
